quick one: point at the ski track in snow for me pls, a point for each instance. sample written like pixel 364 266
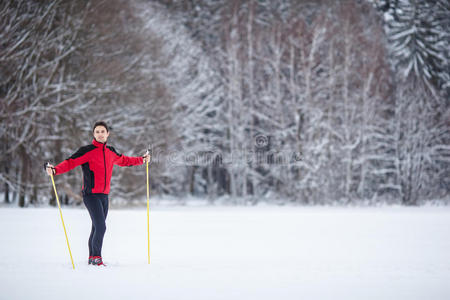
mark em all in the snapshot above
pixel 230 253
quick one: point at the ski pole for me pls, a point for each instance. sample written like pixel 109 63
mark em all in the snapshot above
pixel 60 212
pixel 148 210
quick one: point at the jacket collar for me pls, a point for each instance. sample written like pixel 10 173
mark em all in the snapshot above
pixel 97 144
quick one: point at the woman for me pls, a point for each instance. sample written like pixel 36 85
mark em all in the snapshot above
pixel 97 161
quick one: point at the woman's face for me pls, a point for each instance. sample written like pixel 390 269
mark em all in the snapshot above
pixel 101 134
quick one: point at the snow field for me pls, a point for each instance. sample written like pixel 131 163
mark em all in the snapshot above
pixel 230 253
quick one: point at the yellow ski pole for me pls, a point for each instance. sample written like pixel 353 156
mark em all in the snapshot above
pixel 62 220
pixel 148 211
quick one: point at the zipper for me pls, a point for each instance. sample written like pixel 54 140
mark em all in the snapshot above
pixel 104 162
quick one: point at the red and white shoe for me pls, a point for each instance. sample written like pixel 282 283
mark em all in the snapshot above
pixel 97 261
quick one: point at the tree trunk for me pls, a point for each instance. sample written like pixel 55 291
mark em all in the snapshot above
pixel 6 193
pixel 6 184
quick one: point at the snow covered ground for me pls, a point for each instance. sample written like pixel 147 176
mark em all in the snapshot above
pixel 230 253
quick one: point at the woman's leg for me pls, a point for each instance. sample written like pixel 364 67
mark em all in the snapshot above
pixel 95 206
pixel 91 249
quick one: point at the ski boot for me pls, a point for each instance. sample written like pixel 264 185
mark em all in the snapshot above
pixel 97 261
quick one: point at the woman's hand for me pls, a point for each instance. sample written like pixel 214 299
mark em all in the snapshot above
pixel 146 158
pixel 50 169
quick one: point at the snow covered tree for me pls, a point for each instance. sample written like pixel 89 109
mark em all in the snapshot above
pixel 419 43
pixel 195 103
pixel 39 42
pixel 419 39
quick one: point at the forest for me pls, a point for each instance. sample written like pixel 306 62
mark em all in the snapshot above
pixel 241 102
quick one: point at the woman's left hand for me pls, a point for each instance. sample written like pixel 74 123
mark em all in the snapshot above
pixel 146 158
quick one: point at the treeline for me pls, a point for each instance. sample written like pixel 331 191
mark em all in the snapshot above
pixel 322 101
pixel 310 102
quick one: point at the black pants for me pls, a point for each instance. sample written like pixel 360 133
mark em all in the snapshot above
pixel 97 205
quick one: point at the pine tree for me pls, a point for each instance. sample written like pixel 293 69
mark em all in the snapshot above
pixel 418 35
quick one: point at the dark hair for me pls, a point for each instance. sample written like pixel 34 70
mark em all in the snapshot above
pixel 100 123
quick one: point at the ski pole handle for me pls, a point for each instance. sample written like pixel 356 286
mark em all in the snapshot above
pixel 48 165
pixel 148 152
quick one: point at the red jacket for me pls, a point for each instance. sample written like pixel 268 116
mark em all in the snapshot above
pixel 97 161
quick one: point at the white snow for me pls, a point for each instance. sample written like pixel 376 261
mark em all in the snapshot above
pixel 230 253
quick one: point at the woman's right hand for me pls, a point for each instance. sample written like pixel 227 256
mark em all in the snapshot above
pixel 50 169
